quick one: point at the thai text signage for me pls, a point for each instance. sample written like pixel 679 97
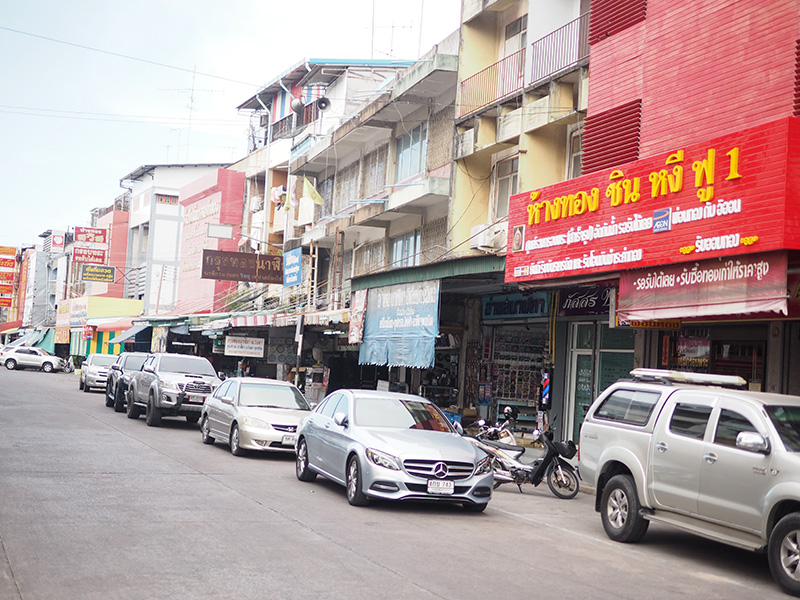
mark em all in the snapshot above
pixel 244 346
pixel 8 263
pixel 6 276
pixel 8 251
pixel 91 235
pixel 514 306
pixel 100 273
pixel 584 300
pixel 292 267
pixel 239 266
pixel 742 284
pixel 6 289
pixel 89 256
pixel 725 197
pixel 401 325
pixel 5 302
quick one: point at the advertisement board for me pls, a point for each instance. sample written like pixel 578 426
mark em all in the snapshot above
pixel 244 346
pixel 98 273
pixel 292 267
pixel 729 196
pixel 91 235
pixel 241 266
pixel 95 256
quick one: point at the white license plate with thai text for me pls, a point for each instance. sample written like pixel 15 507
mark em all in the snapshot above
pixel 443 487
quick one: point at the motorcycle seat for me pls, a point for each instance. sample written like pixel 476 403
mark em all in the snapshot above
pixel 502 446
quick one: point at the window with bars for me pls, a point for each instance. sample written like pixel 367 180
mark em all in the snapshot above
pixel 325 189
pixel 346 186
pixel 373 180
pixel 411 148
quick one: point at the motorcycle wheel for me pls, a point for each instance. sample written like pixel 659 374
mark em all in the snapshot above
pixel 564 486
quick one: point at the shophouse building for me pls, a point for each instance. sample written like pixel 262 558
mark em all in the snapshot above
pixel 679 233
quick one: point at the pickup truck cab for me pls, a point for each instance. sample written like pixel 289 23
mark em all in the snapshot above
pixel 691 451
pixel 170 385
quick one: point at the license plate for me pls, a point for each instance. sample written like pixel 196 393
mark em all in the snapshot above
pixel 195 398
pixel 289 440
pixel 443 487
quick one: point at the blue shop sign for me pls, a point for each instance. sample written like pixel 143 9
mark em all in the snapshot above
pixel 292 267
pixel 514 306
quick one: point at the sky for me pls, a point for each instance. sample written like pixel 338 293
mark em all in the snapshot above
pixel 91 90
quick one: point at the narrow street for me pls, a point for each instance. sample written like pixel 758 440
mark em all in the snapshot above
pixel 96 506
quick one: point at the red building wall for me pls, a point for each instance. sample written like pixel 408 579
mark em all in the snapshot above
pixel 117 224
pixel 216 198
pixel 701 69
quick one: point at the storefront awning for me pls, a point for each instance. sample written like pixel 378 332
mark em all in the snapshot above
pixel 29 339
pixel 739 285
pixel 127 334
pixel 10 327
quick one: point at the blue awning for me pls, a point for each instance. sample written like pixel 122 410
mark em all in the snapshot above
pixel 127 334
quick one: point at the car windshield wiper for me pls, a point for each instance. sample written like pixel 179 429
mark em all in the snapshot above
pixel 266 406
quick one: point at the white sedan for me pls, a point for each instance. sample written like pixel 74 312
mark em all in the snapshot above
pixel 250 413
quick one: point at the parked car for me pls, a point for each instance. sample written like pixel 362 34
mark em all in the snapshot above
pixel 392 446
pixel 119 378
pixel 94 371
pixel 681 449
pixel 250 413
pixel 170 385
pixel 23 357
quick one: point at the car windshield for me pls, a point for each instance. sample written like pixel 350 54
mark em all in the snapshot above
pixel 104 360
pixel 787 421
pixel 402 414
pixel 134 363
pixel 186 364
pixel 271 396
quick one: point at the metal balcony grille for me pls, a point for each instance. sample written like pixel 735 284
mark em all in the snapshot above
pixel 502 79
pixel 560 50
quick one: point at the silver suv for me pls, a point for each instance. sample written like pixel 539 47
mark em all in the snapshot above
pixel 687 450
pixel 17 357
pixel 94 371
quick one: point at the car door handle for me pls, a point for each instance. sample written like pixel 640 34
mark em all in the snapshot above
pixel 327 425
pixel 710 457
pixel 662 446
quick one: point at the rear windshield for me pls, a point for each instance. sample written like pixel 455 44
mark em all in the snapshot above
pixel 402 414
pixel 186 364
pixel 628 406
pixel 271 396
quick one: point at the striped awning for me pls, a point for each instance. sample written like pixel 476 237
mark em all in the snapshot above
pixel 325 317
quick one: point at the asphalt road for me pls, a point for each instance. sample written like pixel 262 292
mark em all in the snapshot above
pixel 96 506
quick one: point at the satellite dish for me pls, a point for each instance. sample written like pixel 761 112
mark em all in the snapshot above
pixel 297 105
pixel 323 103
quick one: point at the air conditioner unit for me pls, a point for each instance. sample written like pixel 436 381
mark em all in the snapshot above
pixel 264 121
pixel 487 238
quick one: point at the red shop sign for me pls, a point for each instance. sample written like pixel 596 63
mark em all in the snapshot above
pixel 730 196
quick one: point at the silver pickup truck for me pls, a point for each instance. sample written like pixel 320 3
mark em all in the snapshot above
pixel 691 451
pixel 170 385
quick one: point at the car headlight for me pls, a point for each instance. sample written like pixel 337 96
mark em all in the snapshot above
pixel 170 386
pixel 251 422
pixel 382 459
pixel 484 466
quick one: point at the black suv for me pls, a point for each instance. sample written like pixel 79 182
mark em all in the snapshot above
pixel 119 376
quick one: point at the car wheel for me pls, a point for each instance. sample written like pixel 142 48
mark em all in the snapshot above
pixel 47 367
pixel 302 470
pixel 86 387
pixel 236 449
pixel 132 410
pixel 784 553
pixel 473 507
pixel 193 418
pixel 11 364
pixel 109 396
pixel 619 510
pixel 355 495
pixel 205 431
pixel 119 399
pixel 152 415
pixel 80 383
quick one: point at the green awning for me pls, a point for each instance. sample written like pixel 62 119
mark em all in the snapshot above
pixel 451 268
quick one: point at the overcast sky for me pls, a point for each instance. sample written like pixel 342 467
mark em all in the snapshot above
pixel 76 115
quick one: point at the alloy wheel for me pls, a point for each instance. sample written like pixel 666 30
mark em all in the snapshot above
pixel 617 508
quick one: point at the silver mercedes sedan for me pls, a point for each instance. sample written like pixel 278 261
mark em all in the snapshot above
pixel 391 446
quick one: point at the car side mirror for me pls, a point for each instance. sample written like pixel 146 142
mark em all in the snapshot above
pixel 116 367
pixel 149 368
pixel 227 400
pixel 753 442
pixel 459 429
pixel 340 419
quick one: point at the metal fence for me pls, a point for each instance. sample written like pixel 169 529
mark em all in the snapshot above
pixel 497 81
pixel 559 50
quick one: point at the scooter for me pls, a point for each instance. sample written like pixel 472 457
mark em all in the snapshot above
pixel 562 477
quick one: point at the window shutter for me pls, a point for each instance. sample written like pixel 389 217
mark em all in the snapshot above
pixel 611 138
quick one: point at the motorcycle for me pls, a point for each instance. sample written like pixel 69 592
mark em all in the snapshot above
pixel 69 366
pixel 562 477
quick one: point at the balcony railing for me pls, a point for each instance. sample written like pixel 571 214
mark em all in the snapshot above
pixel 495 82
pixel 559 51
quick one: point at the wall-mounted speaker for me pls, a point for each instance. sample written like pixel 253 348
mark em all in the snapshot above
pixel 323 103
